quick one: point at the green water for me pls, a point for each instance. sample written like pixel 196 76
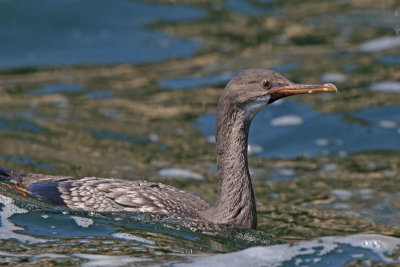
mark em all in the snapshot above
pixel 128 88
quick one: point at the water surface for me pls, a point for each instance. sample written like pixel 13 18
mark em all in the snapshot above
pixel 129 89
pixel 290 129
pixel 90 32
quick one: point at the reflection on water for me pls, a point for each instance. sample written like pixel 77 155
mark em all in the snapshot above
pixel 321 165
pixel 147 236
pixel 19 125
pixel 390 60
pixel 247 8
pixel 26 160
pixel 91 32
pixel 282 132
pixel 358 249
pixel 121 137
pixel 185 83
pixel 100 94
pixel 195 82
pixel 377 206
pixel 56 89
pixel 8 228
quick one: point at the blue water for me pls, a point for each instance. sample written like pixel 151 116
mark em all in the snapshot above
pixel 118 136
pixel 72 32
pixel 318 133
pixel 45 129
pixel 56 89
pixel 100 94
pixel 390 60
pixel 43 225
pixel 186 83
pixel 26 160
pixel 247 8
pixel 20 125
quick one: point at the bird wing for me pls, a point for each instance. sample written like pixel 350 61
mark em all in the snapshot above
pixel 100 194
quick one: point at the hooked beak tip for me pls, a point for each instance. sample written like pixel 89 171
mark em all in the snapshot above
pixel 297 89
pixel 329 87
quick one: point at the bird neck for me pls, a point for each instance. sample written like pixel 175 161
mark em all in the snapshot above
pixel 235 202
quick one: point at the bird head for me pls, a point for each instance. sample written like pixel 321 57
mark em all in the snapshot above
pixel 253 89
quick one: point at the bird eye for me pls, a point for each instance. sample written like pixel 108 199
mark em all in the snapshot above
pixel 266 84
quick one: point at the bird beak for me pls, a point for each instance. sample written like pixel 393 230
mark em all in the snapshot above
pixel 297 89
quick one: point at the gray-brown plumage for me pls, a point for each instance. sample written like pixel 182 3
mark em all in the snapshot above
pixel 244 96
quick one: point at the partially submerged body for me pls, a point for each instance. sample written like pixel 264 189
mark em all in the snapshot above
pixel 243 97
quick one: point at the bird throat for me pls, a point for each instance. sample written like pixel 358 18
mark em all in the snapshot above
pixel 253 107
pixel 235 202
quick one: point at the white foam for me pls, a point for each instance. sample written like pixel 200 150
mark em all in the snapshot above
pixel 278 255
pixel 7 227
pixel 131 237
pixel 44 255
pixel 34 259
pixel 107 260
pixel 386 86
pixel 287 120
pixel 379 44
pixel 93 259
pixel 179 173
pixel 82 222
